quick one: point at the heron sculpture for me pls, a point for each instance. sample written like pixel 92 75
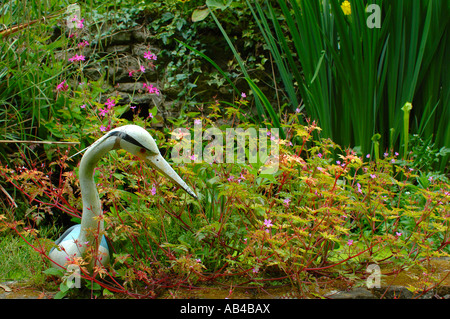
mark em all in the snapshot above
pixel 80 239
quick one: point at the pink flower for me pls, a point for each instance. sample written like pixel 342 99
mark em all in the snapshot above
pixel 149 55
pixel 83 44
pixel 77 57
pixel 102 128
pixel 80 24
pixel 230 179
pixel 286 202
pixel 197 122
pixel 153 191
pixel 103 112
pixel 243 95
pixel 359 187
pixel 130 74
pixel 151 89
pixel 350 242
pixel 110 103
pixel 142 68
pixel 62 86
pixel 268 223
pixel 373 176
pixel 83 106
pixel 398 234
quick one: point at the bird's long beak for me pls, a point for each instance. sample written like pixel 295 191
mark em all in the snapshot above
pixel 160 164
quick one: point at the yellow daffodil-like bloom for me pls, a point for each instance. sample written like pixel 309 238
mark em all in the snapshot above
pixel 346 7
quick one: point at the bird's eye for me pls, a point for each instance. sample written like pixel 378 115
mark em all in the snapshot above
pixel 142 150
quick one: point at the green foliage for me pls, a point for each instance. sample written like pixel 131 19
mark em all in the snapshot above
pixel 354 80
pixel 317 213
pixel 328 211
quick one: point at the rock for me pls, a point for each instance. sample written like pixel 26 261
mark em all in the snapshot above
pixel 139 49
pixel 356 293
pixel 93 74
pixel 118 48
pixel 141 35
pixel 122 37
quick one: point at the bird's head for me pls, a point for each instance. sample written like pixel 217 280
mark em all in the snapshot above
pixel 137 141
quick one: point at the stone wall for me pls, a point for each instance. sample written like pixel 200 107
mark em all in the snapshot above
pixel 121 53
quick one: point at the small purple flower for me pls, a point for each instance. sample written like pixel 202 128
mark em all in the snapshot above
pixel 62 86
pixel 110 103
pixel 350 242
pixel 80 24
pixel 359 188
pixel 268 223
pixel 149 55
pixel 77 57
pixel 153 191
pixel 102 112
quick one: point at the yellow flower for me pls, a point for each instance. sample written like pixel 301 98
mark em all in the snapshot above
pixel 346 7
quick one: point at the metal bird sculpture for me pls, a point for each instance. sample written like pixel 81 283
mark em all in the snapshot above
pixel 80 239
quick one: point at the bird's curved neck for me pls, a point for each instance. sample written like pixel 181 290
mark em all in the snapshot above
pixel 92 221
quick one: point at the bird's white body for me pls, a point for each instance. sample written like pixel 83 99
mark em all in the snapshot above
pixel 68 245
pixel 87 239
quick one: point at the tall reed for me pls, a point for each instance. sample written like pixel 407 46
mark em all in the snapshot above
pixel 355 79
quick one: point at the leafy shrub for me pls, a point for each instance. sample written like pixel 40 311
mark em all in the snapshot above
pixel 318 215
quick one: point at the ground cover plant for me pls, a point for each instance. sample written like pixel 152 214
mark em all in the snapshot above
pixel 318 216
pixel 327 214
